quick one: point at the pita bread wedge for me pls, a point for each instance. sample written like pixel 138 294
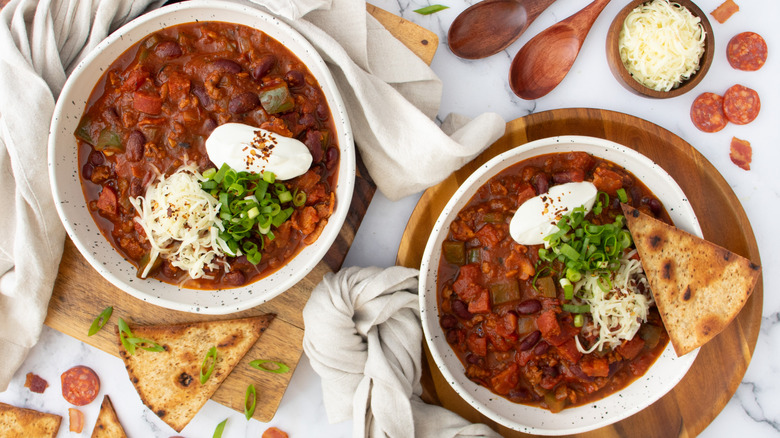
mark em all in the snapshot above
pixel 107 425
pixel 27 423
pixel 169 381
pixel 699 287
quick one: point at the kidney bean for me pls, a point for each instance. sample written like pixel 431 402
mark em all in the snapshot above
pixel 209 125
pixel 541 183
pixel 134 149
pixel 136 188
pixel 87 170
pixel 294 78
pixel 448 321
pixel 655 206
pixel 452 336
pixel 636 196
pixel 314 143
pixel 528 307
pixel 262 66
pixel 550 371
pixel 243 103
pixel 331 157
pixel 323 113
pixel 473 359
pixel 226 65
pixel 234 278
pixel 541 348
pixel 96 158
pixel 200 92
pixel 307 121
pixel 168 50
pixel 530 340
pixel 567 176
pixel 461 310
pixel 521 393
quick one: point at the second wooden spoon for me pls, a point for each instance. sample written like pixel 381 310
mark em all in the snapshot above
pixel 545 60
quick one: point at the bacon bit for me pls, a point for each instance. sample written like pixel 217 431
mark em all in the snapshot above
pixel 273 432
pixel 741 153
pixel 76 419
pixel 725 11
pixel 36 383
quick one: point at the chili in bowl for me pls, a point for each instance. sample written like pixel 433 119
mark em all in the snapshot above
pixel 212 165
pixel 548 326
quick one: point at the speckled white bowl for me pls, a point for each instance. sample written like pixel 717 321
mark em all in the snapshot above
pixel 660 378
pixel 66 185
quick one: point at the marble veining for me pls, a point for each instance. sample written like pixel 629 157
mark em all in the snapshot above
pixel 470 88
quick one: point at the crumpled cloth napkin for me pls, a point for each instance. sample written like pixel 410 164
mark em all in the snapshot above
pixel 363 337
pixel 40 43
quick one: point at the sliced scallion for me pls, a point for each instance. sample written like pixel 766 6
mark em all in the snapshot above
pixel 278 367
pixel 207 366
pixel 100 321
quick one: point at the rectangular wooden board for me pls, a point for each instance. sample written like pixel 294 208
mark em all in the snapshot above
pixel 80 293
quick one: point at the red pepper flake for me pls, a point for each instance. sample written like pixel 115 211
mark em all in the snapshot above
pixel 741 153
pixel 36 383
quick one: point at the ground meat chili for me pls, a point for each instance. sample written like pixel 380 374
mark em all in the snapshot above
pixel 158 102
pixel 513 338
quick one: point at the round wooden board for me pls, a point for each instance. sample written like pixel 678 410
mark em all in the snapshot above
pixel 721 364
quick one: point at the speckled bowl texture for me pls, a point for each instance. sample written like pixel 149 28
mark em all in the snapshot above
pixel 66 184
pixel 660 378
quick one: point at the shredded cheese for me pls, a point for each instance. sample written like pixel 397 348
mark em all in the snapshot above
pixel 181 222
pixel 617 313
pixel 661 44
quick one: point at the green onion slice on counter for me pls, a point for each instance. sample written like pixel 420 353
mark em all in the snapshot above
pixel 260 364
pixel 428 10
pixel 101 320
pixel 250 400
pixel 220 428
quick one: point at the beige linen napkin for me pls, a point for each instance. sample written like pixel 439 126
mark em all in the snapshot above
pixel 363 337
pixel 40 43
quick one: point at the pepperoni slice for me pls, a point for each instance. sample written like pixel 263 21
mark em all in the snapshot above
pixel 747 51
pixel 80 385
pixel 741 104
pixel 741 153
pixel 707 113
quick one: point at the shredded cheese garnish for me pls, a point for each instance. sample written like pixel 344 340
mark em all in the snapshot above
pixel 661 44
pixel 181 222
pixel 617 313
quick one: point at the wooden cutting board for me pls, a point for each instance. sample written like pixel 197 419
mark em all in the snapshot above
pixel 721 364
pixel 80 293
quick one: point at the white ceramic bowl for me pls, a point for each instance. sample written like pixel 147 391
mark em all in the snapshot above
pixel 659 379
pixel 66 185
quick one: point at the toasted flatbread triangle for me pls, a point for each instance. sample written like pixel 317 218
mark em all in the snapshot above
pixel 168 382
pixel 107 425
pixel 699 287
pixel 25 423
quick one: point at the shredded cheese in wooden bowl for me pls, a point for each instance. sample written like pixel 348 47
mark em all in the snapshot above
pixel 661 44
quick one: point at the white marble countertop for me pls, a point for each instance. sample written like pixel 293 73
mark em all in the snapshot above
pixel 470 88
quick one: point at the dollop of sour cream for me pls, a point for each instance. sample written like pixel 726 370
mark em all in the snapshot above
pixel 250 149
pixel 537 217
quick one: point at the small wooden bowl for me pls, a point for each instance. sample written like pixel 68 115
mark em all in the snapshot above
pixel 624 77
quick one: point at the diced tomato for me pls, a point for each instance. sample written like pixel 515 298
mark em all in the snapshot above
pixel 630 349
pixel 178 87
pixel 523 357
pixel 107 201
pixel 524 193
pixel 505 380
pixel 76 420
pixel 507 326
pixel 607 180
pixel 467 285
pixel 481 303
pixel 502 331
pixel 595 366
pixel 147 103
pixel 548 324
pixel 477 345
pixel 305 220
pixel 490 235
pixel 568 350
pixel 135 79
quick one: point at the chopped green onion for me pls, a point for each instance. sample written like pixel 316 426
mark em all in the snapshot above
pixel 285 196
pixel 209 173
pixel 575 308
pixel 250 400
pixel 220 428
pixel 100 321
pixel 579 320
pixel 622 195
pixel 146 344
pixel 220 175
pixel 431 9
pixel 299 198
pixel 207 366
pixel 124 333
pixel 568 288
pixel 280 368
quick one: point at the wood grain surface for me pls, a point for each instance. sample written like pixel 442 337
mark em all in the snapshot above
pixel 80 293
pixel 721 364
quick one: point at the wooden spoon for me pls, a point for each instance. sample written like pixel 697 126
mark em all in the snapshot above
pixel 545 60
pixel 490 26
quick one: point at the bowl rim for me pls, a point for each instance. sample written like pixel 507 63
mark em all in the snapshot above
pixel 171 15
pixel 478 396
pixel 624 77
